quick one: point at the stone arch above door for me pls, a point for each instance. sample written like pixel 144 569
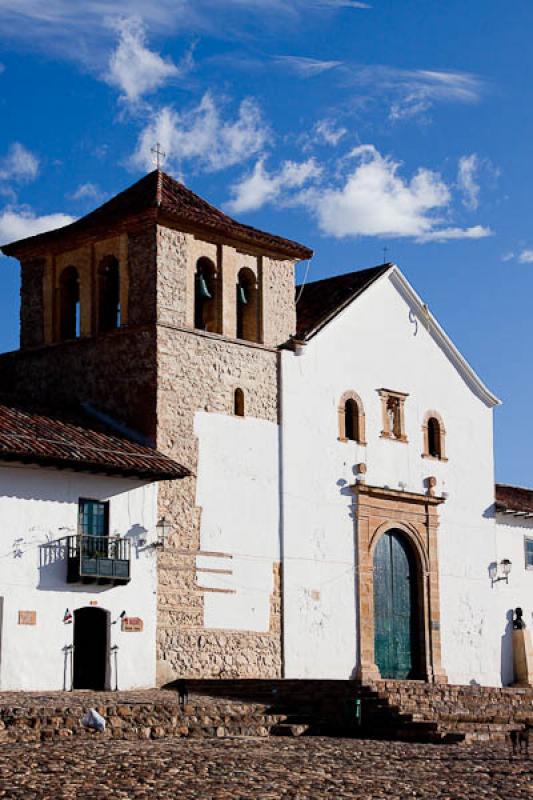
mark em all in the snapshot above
pixel 416 516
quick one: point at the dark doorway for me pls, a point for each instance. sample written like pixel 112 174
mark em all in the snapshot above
pixel 396 617
pixel 91 648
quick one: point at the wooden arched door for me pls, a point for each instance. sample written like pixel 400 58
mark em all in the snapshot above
pixel 396 619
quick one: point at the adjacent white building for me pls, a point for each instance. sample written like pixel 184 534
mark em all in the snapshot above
pixel 78 576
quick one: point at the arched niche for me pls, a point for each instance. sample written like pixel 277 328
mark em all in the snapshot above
pixel 351 418
pixel 206 296
pixel 109 310
pixel 247 311
pixel 69 304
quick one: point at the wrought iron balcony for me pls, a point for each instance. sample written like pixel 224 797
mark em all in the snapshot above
pixel 102 559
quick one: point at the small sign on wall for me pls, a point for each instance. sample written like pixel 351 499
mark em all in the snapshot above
pixel 27 618
pixel 132 624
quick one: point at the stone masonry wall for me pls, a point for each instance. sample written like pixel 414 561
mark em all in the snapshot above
pixel 32 304
pixel 177 255
pixel 279 310
pixel 200 372
pixel 116 372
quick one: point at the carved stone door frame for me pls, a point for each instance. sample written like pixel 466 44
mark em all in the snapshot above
pixel 416 515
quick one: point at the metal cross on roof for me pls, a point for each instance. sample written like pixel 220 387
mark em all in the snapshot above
pixel 159 155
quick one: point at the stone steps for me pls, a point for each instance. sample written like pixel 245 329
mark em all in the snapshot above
pixel 217 708
pixel 134 720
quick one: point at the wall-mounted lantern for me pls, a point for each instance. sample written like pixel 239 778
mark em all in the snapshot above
pixel 501 571
pixel 163 531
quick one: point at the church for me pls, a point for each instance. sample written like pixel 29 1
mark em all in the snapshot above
pixel 206 471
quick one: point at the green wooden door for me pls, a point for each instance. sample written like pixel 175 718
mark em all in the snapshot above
pixel 394 607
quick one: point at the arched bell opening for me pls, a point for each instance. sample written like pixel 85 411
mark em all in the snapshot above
pixel 399 632
pixel 247 306
pixel 109 311
pixel 206 317
pixel 69 304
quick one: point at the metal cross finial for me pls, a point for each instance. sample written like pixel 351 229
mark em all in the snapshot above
pixel 159 155
pixel 385 251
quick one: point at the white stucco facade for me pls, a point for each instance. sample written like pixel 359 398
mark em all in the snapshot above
pixel 238 493
pixel 383 339
pixel 37 507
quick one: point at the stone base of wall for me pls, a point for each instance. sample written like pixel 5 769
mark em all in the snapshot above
pixel 204 653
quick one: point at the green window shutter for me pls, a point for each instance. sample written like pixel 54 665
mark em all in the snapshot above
pixel 93 518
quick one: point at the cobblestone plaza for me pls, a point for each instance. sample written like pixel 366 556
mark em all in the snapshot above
pixel 299 769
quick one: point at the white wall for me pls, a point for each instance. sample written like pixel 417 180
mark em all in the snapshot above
pixel 374 344
pixel 41 505
pixel 238 492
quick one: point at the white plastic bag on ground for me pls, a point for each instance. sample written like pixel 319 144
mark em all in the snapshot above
pixel 92 719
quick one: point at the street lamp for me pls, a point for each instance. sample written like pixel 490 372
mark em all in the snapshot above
pixel 501 571
pixel 163 530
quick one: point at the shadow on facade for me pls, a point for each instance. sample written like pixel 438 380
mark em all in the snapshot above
pixel 506 664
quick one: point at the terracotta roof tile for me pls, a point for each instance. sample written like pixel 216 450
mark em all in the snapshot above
pixel 77 442
pixel 166 198
pixel 513 498
pixel 321 300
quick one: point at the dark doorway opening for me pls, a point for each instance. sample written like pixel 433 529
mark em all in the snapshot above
pixel 397 623
pixel 91 648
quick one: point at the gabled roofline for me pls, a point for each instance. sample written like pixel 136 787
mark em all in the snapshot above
pixel 401 283
pixel 443 340
pixel 327 319
pixel 159 198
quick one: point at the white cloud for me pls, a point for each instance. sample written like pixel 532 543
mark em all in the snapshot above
pixel 418 90
pixel 411 93
pixel 22 222
pixel 448 234
pixel 342 4
pixel 525 256
pixel 87 191
pixel 79 29
pixel 133 68
pixel 203 136
pixel 374 200
pixel 306 67
pixel 327 132
pixel 19 164
pixel 466 180
pixel 261 187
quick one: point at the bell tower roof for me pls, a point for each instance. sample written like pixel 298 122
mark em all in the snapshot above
pixel 159 197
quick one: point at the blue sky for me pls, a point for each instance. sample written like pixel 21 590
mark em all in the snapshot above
pixel 350 126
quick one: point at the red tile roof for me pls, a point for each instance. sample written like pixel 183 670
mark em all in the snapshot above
pixel 78 443
pixel 513 498
pixel 321 300
pixel 164 197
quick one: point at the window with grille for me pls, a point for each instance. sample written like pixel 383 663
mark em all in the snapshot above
pixel 528 546
pixel 93 518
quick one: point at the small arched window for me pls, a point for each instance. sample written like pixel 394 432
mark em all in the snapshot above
pixel 69 304
pixel 205 296
pixel 351 418
pixel 434 436
pixel 238 403
pixel 247 306
pixel 109 294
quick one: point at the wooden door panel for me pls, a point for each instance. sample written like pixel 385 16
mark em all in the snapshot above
pixel 393 606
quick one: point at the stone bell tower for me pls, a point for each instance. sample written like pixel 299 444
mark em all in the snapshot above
pixel 152 308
